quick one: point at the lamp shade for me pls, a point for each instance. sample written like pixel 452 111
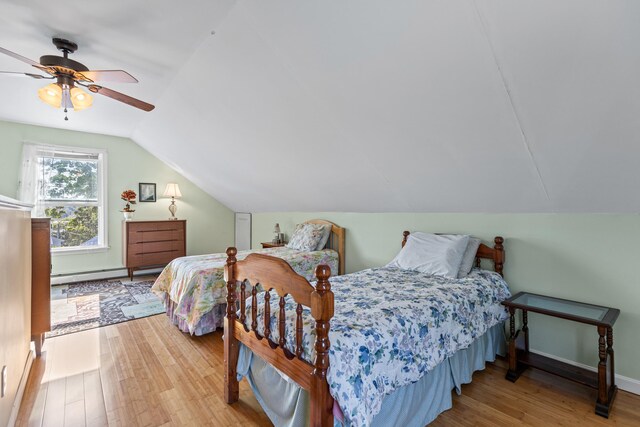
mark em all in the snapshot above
pixel 80 99
pixel 51 94
pixel 172 190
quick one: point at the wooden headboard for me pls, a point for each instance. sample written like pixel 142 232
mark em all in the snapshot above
pixel 335 242
pixel 495 254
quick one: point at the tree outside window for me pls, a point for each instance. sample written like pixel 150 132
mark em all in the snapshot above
pixel 69 191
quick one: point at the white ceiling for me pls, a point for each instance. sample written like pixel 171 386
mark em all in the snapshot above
pixel 369 105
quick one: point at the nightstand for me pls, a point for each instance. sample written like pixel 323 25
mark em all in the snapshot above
pixel 602 317
pixel 272 245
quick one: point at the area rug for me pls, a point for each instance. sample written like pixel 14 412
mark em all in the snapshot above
pixel 86 305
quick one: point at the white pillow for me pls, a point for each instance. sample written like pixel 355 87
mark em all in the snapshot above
pixel 306 237
pixel 440 255
pixel 325 237
pixel 469 257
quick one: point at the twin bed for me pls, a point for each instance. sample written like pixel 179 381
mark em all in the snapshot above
pixel 383 346
pixel 194 291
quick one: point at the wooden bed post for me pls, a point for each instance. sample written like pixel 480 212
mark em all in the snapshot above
pixel 405 235
pixel 498 260
pixel 231 386
pixel 341 266
pixel 322 310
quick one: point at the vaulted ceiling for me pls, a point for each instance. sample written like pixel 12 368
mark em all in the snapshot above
pixel 369 105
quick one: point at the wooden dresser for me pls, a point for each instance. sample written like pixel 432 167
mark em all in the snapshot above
pixel 40 280
pixel 152 243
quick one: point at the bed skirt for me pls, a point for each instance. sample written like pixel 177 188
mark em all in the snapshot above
pixel 416 404
pixel 208 323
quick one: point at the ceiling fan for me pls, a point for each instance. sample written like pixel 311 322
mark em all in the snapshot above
pixel 69 74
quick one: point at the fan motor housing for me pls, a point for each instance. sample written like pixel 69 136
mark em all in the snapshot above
pixel 64 45
pixel 64 63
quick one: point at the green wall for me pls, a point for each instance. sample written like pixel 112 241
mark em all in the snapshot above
pixel 209 223
pixel 588 257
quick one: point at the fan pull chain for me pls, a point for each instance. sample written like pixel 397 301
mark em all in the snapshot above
pixel 65 114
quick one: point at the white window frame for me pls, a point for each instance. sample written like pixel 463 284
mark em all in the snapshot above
pixel 31 153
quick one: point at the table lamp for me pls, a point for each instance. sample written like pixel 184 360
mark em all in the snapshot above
pixel 172 191
pixel 276 231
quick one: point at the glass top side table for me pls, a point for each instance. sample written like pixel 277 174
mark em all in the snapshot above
pixel 602 317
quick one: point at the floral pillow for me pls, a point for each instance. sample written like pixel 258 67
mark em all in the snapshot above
pixel 306 237
pixel 326 233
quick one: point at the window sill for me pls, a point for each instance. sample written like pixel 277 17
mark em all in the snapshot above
pixel 78 250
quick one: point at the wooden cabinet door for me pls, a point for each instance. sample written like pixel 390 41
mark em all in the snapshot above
pixel 40 279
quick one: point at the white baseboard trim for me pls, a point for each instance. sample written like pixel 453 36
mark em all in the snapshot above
pixel 21 387
pixel 624 383
pixel 99 275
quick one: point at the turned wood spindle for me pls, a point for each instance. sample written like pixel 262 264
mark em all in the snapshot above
pixel 267 314
pixel 525 329
pixel 511 374
pixel 603 396
pixel 243 315
pixel 231 283
pixel 512 323
pixel 322 311
pixel 281 323
pixel 499 255
pixel 254 307
pixel 611 358
pixel 299 330
pixel 323 289
pixel 231 385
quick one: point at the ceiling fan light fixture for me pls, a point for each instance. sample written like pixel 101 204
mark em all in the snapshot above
pixel 51 94
pixel 80 99
pixel 68 73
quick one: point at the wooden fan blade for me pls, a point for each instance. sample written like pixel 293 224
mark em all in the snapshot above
pixel 33 76
pixel 20 57
pixel 28 61
pixel 121 97
pixel 117 76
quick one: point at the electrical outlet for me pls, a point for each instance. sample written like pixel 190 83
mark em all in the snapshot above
pixel 4 381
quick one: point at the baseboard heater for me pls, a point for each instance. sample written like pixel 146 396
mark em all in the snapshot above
pixel 112 273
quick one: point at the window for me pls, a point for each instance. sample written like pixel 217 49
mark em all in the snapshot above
pixel 67 185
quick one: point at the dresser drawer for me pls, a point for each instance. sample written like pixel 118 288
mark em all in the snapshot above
pixel 143 236
pixel 139 249
pixel 154 258
pixel 151 247
pixel 160 257
pixel 156 226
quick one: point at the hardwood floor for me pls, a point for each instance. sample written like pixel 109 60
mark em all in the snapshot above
pixel 139 373
pixel 147 373
pixel 537 399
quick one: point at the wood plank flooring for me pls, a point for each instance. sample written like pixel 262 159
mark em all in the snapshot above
pixel 537 399
pixel 139 373
pixel 147 373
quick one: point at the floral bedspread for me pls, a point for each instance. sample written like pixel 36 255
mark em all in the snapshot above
pixel 196 283
pixel 391 327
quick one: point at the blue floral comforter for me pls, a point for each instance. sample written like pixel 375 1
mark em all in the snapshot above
pixel 391 327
